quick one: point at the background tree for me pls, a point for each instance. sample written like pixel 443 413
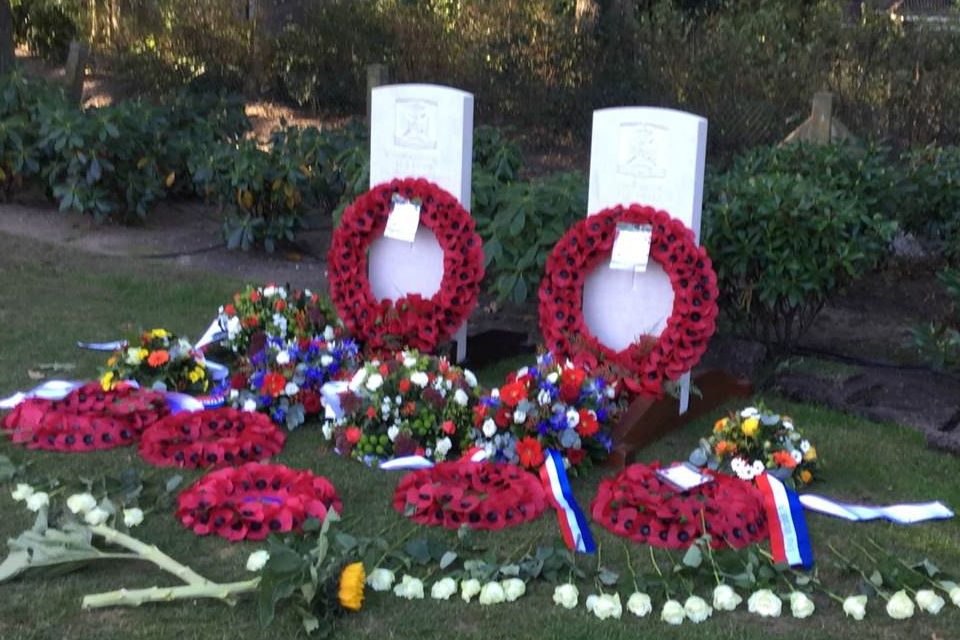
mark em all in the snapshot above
pixel 6 37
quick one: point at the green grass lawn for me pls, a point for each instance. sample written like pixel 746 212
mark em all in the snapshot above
pixel 52 297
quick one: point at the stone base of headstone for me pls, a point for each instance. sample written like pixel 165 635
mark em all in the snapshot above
pixel 647 420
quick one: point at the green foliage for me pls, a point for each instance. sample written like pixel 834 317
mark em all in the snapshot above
pixel 20 98
pixel 47 26
pixel 939 341
pixel 930 199
pixel 782 243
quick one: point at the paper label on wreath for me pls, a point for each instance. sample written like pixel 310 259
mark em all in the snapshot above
pixel 404 220
pixel 685 476
pixel 631 247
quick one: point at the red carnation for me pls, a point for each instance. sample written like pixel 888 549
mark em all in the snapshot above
pixel 588 424
pixel 311 401
pixel 280 305
pixel 371 412
pixel 404 385
pixel 575 456
pixel 511 394
pixel 353 435
pixel 448 427
pixel 239 381
pixel 273 384
pixel 254 296
pixel 230 310
pixel 530 452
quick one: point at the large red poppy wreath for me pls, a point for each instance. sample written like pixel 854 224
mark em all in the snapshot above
pixel 87 419
pixel 411 321
pixel 646 363
pixel 639 505
pixel 479 495
pixel 213 437
pixel 255 500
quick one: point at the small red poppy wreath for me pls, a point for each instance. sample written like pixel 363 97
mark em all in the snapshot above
pixel 213 437
pixel 480 495
pixel 637 504
pixel 411 321
pixel 645 364
pixel 255 500
pixel 86 419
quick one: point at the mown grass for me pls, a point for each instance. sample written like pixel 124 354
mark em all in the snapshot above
pixel 52 297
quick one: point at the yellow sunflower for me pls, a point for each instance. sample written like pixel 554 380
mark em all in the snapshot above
pixel 350 592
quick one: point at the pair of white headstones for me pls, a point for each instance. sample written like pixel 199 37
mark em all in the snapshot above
pixel 638 155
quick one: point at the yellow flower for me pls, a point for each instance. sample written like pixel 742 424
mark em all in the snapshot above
pixel 143 353
pixel 196 375
pixel 750 426
pixel 112 360
pixel 811 454
pixel 720 424
pixel 159 333
pixel 350 593
pixel 107 381
pixel 806 477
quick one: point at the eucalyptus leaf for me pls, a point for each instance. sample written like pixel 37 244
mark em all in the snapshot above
pixel 448 558
pixel 608 577
pixel 693 558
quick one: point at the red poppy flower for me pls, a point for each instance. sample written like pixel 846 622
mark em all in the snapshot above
pixel 530 452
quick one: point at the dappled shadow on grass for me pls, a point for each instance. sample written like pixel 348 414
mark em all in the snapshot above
pixel 52 298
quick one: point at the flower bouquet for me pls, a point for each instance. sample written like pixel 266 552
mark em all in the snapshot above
pixel 284 378
pixel 161 361
pixel 272 311
pixel 550 405
pixel 405 405
pixel 753 440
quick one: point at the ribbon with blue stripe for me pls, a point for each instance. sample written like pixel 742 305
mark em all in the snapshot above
pixel 573 524
pixel 789 538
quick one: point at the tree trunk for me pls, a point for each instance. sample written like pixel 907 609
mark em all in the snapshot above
pixel 7 56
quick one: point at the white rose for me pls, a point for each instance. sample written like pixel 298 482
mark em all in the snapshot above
pixel 566 595
pixel 357 380
pixel 573 418
pixel 605 605
pixel 283 358
pixel 291 389
pixel 250 405
pixel 725 598
pixel 513 588
pixel 470 377
pixel 81 502
pixel 420 379
pixel 855 607
pixel 328 333
pixel 492 593
pixel 930 601
pixel 673 612
pixel 96 516
pixel 697 609
pixel 469 588
pixel 519 416
pixel 381 579
pixel 326 360
pixel 410 588
pixel 639 604
pixel 257 560
pixel 900 606
pixel 22 492
pixel 393 432
pixel 750 412
pixel 374 382
pixel 443 589
pixel 132 517
pixel 443 446
pixel 955 596
pixel 38 501
pixel 764 603
pixel 460 397
pixel 800 605
pixel 489 428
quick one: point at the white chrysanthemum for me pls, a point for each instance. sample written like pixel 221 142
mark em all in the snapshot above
pixel 326 360
pixel 492 593
pixel 800 605
pixel 566 595
pixel 725 598
pixel 855 607
pixel 469 588
pixel 283 358
pixel 758 467
pixel 258 560
pixel 900 606
pixel 132 517
pixel 38 500
pixel 443 589
pixel 374 382
pixel 697 609
pixel 750 412
pixel 639 604
pixel 930 601
pixel 460 397
pixel 22 492
pixel 81 502
pixel 381 579
pixel 673 612
pixel 765 603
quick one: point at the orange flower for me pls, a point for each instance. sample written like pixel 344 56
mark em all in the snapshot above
pixel 530 452
pixel 806 477
pixel 720 424
pixel 158 358
pixel 784 459
pixel 723 448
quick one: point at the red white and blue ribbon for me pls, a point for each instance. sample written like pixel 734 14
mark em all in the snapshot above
pixel 789 539
pixel 573 524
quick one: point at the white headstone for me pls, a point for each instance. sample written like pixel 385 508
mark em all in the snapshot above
pixel 648 156
pixel 418 131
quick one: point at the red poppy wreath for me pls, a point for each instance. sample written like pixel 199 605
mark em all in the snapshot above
pixel 637 504
pixel 411 321
pixel 479 495
pixel 255 500
pixel 213 437
pixel 86 419
pixel 645 364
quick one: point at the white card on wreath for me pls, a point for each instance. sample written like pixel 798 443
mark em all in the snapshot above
pixel 631 247
pixel 403 222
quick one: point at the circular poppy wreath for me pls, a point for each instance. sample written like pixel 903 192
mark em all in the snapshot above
pixel 212 437
pixel 480 495
pixel 639 505
pixel 255 500
pixel 645 364
pixel 86 419
pixel 411 321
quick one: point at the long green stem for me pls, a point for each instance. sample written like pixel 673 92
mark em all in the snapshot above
pixel 709 545
pixel 150 553
pixel 134 598
pixel 405 537
pixel 656 566
pixel 853 566
pixel 633 574
pixel 813 579
pixel 931 581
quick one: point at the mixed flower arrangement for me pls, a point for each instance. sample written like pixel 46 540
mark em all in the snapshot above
pixel 404 405
pixel 257 313
pixel 283 379
pixel 550 405
pixel 753 440
pixel 161 361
